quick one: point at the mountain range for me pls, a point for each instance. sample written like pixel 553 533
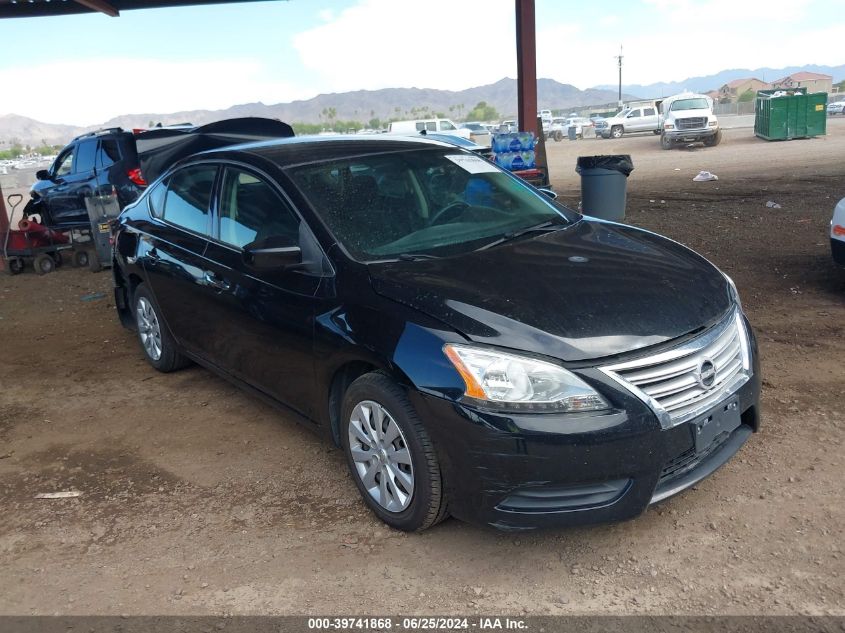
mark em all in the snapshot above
pixel 363 105
pixel 714 82
pixel 359 105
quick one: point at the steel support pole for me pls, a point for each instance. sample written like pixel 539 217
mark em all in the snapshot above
pixel 526 66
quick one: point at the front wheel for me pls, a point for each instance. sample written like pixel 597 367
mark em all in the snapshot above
pixel 44 264
pixel 617 131
pixel 156 342
pixel 714 140
pixel 390 455
pixel 665 142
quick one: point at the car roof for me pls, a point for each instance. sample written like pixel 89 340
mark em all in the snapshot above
pixel 299 150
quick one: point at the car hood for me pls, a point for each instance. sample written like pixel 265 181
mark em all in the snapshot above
pixel 591 290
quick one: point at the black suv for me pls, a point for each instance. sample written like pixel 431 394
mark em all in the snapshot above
pixel 117 160
pixel 90 163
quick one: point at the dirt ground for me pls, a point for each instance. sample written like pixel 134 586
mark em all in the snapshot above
pixel 197 499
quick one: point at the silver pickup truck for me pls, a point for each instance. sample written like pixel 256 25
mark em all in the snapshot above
pixel 629 120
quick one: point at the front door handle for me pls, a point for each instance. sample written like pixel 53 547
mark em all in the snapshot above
pixel 215 282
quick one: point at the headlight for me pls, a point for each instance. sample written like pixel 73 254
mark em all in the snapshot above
pixel 507 381
pixel 712 123
pixel 734 293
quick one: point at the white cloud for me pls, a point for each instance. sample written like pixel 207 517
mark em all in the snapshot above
pixel 664 53
pixel 437 44
pixel 151 86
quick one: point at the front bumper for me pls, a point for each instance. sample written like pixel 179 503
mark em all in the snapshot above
pixel 528 471
pixel 690 136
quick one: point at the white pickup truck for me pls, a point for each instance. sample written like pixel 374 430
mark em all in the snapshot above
pixel 687 118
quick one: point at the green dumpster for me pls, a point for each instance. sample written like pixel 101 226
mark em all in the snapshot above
pixel 795 114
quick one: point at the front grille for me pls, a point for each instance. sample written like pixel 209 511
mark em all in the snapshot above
pixel 691 123
pixel 601 124
pixel 680 383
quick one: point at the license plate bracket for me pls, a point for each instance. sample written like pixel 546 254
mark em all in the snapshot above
pixel 722 419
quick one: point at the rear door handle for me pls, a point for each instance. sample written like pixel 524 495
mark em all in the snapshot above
pixel 216 282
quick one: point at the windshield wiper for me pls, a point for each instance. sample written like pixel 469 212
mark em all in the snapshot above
pixel 551 225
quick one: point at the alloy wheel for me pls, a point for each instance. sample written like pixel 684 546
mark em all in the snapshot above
pixel 381 456
pixel 149 328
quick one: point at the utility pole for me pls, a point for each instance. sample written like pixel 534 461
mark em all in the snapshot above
pixel 619 61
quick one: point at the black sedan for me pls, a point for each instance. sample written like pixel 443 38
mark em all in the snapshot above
pixel 475 348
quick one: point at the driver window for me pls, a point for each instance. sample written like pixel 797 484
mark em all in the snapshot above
pixel 251 210
pixel 634 113
pixel 445 125
pixel 64 164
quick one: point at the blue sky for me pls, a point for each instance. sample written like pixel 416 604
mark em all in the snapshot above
pixel 212 57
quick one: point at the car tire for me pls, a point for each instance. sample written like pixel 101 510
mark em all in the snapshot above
pixel 80 259
pixel 156 342
pixel 57 258
pixel 14 265
pixel 558 136
pixel 44 264
pixel 617 131
pixel 714 140
pixel 401 483
pixel 656 132
pixel 665 142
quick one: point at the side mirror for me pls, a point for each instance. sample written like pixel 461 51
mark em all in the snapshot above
pixel 548 192
pixel 42 174
pixel 272 253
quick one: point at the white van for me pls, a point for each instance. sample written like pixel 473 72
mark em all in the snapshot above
pixel 440 126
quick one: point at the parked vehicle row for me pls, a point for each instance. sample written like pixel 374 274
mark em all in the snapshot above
pixel 348 281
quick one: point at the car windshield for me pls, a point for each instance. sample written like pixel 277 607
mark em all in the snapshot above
pixel 475 127
pixel 698 103
pixel 428 202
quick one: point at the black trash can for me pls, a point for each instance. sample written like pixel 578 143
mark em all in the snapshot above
pixel 604 181
pixel 572 131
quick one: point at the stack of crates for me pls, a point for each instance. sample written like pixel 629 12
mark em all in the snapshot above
pixel 792 115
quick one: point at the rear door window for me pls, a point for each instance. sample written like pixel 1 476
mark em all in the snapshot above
pixel 85 154
pixel 188 197
pixel 109 153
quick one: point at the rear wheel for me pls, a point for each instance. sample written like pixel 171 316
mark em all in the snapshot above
pixel 14 265
pixel 558 136
pixel 617 131
pixel 156 342
pixel 390 455
pixel 44 264
pixel 80 259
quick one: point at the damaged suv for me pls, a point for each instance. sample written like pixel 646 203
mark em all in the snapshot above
pixel 476 349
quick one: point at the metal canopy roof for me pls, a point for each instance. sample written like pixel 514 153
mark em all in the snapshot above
pixel 46 8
